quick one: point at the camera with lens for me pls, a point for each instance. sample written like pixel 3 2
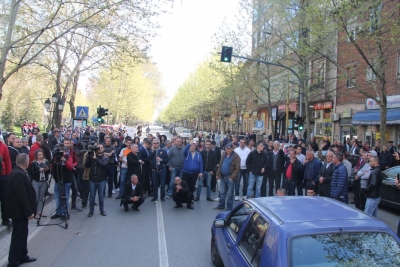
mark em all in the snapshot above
pixel 79 146
pixel 92 150
pixel 58 152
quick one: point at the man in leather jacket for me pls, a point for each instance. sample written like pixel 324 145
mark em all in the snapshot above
pixel 374 185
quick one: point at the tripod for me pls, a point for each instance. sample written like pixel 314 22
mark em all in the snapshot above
pixel 64 222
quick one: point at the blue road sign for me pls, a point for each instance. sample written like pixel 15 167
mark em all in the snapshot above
pixel 82 112
pixel 94 119
pixel 260 124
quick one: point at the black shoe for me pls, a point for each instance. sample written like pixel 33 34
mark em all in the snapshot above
pixel 135 209
pixel 28 259
pixel 64 218
pixel 178 206
pixel 76 209
pixel 109 196
pixel 218 208
pixel 150 194
pixel 47 194
pixel 95 203
pixel 103 213
pixel 118 197
pixel 154 200
pixel 55 216
pixel 163 201
pixel 83 206
pixel 210 199
pixel 7 223
pixel 352 202
pixel 90 214
pixel 213 190
pixel 196 199
pixel 190 207
pixel 126 210
pixel 192 202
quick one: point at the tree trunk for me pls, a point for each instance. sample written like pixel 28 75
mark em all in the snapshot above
pixel 73 94
pixel 383 121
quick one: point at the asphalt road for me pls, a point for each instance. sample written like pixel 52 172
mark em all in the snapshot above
pixel 157 235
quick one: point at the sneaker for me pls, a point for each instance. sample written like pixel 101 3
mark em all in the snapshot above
pixel 168 197
pixel 109 196
pixel 154 200
pixel 210 199
pixel 244 197
pixel 75 209
pixel 113 192
pixel 178 206
pixel 190 207
pixel 216 200
pixel 55 216
pixel 126 210
pixel 163 201
pixel 196 199
pixel 237 198
pixel 117 190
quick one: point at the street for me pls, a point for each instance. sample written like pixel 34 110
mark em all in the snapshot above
pixel 157 235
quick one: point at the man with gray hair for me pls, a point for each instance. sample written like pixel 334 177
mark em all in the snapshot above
pixel 21 199
pixel 25 145
pixel 363 175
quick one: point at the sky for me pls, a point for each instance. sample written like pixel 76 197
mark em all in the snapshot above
pixel 184 39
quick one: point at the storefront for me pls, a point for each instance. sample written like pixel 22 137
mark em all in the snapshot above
pixel 322 116
pixel 347 129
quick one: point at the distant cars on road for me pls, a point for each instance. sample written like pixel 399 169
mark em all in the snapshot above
pixel 301 231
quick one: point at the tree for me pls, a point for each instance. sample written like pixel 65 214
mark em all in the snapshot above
pixel 8 116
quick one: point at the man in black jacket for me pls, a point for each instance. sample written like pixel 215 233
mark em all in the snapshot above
pixel 385 158
pixel 14 149
pixel 97 163
pixel 256 164
pixel 132 194
pixel 181 193
pixel 275 169
pixel 209 158
pixel 325 176
pixel 159 159
pixel 217 150
pixel 292 173
pixel 374 185
pixel 22 207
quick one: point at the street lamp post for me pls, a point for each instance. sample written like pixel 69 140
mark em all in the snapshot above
pixel 51 108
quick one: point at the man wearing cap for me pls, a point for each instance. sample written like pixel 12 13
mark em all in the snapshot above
pixel 228 173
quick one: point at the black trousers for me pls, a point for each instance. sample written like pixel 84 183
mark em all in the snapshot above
pixel 363 198
pixel 274 176
pixel 116 182
pixel 3 191
pixel 264 186
pixel 213 181
pixel 74 189
pixel 85 192
pixel 181 197
pixel 136 204
pixel 19 242
pixel 146 180
pixel 191 179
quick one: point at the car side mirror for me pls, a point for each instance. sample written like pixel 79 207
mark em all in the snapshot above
pixel 219 223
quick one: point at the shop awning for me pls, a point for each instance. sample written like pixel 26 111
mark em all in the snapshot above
pixel 373 117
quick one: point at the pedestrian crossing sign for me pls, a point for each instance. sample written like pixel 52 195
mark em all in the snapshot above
pixel 82 112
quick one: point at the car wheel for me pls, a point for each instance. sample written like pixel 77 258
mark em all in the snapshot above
pixel 215 258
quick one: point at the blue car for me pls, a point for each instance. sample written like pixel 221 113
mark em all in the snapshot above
pixel 301 231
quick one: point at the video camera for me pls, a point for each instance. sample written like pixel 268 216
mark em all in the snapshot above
pixel 92 149
pixel 58 152
pixel 79 146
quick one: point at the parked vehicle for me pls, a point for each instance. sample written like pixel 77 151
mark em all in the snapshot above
pixel 390 194
pixel 185 133
pixel 301 231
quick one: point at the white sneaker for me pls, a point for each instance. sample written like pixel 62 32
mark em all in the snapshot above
pixel 113 192
pixel 244 197
pixel 236 198
pixel 216 200
pixel 117 190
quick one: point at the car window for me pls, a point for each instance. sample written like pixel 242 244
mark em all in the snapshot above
pixel 391 174
pixel 251 242
pixel 237 219
pixel 345 249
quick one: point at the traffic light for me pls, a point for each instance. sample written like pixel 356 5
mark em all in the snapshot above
pixel 226 54
pixel 101 112
pixel 100 120
pixel 301 124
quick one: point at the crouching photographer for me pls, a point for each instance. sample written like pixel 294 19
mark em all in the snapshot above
pixel 97 162
pixel 62 172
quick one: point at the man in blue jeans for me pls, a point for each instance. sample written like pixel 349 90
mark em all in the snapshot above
pixel 176 160
pixel 372 192
pixel 228 173
pixel 243 151
pixel 209 159
pixel 97 163
pixel 159 159
pixel 124 167
pixel 256 164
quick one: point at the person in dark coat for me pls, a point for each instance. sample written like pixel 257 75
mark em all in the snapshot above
pixel 275 169
pixel 134 162
pixel 373 190
pixel 339 183
pixel 21 199
pixel 292 173
pixel 385 158
pixel 132 194
pixel 325 176
pixel 181 193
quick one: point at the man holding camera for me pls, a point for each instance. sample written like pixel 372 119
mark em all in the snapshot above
pixel 97 162
pixel 62 168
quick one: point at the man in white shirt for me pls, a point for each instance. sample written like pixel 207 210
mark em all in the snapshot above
pixel 243 151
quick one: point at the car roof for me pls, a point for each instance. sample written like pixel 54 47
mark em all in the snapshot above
pixel 296 209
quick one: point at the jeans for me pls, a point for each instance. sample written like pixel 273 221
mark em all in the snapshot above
pixel 290 186
pixel 122 183
pixel 257 179
pixel 227 186
pixel 174 173
pixel 61 208
pixel 155 175
pixel 110 177
pixel 99 187
pixel 245 174
pixel 40 189
pixel 207 177
pixel 371 206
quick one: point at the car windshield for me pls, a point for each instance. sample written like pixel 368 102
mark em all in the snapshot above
pixel 345 249
pixel 391 174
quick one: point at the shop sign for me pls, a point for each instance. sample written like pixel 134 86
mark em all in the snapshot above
pixel 346 113
pixel 393 101
pixel 323 105
pixel 292 107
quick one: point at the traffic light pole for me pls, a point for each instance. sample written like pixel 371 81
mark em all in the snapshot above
pixel 301 85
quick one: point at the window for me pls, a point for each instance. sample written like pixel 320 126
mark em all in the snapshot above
pixel 350 77
pixel 398 65
pixel 370 74
pixel 345 249
pixel 251 243
pixel 317 73
pixel 375 17
pixel 352 29
pixel 238 218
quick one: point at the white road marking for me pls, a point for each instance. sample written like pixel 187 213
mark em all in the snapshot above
pixel 162 243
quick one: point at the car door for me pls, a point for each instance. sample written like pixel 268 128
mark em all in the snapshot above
pixel 229 234
pixel 248 248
